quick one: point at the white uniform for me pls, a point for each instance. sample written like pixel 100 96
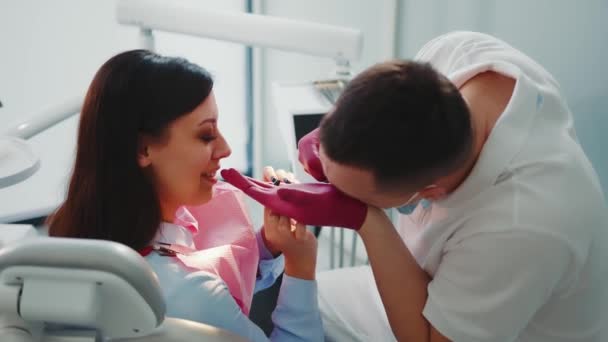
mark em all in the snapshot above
pixel 519 251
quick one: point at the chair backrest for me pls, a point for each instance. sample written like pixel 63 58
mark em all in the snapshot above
pixel 59 288
pixel 179 330
pixel 94 284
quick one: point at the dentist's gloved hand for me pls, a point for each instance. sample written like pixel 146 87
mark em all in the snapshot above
pixel 308 155
pixel 318 204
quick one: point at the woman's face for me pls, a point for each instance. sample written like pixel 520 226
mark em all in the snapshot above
pixel 184 162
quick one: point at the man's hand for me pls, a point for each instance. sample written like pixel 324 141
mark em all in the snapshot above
pixel 317 204
pixel 308 155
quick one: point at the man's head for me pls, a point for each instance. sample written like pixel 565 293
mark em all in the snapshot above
pixel 398 128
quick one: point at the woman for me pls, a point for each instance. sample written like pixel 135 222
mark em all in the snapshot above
pixel 148 144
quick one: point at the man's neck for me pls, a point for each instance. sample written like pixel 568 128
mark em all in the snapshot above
pixel 487 95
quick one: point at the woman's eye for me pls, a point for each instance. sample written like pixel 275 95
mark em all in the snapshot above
pixel 208 138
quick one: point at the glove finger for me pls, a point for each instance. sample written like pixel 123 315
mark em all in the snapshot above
pixel 243 182
pixel 263 195
pixel 261 183
pixel 315 169
pixel 233 177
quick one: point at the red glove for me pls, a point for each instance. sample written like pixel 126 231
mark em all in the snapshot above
pixel 308 155
pixel 317 204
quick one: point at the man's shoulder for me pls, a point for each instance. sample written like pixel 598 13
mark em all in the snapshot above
pixel 541 199
pixel 450 43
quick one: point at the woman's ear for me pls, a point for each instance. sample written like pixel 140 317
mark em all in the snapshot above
pixel 143 157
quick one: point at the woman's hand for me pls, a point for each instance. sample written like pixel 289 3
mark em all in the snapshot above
pixel 298 244
pixel 275 177
pixel 279 176
pixel 285 235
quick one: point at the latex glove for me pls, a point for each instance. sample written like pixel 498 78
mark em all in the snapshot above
pixel 308 155
pixel 317 204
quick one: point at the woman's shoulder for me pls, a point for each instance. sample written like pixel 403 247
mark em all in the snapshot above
pixel 208 282
pixel 173 275
pixel 194 295
pixel 200 296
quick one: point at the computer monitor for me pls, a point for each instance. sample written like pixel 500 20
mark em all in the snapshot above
pixel 305 123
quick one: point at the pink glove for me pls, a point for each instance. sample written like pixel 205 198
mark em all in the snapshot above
pixel 317 204
pixel 308 155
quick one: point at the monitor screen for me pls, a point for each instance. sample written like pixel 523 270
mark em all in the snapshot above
pixel 304 123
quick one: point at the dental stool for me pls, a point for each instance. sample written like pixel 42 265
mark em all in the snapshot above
pixel 77 290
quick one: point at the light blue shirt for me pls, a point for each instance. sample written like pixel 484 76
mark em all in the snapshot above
pixel 203 297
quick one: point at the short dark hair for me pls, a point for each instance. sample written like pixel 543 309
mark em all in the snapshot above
pixel 134 93
pixel 402 120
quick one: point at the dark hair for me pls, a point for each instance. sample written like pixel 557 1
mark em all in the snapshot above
pixel 109 196
pixel 403 121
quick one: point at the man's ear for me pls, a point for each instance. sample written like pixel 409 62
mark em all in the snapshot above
pixel 433 193
pixel 143 157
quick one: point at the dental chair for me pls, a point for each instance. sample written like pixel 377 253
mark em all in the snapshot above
pixel 77 290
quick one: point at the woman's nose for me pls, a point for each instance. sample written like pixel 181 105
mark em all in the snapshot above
pixel 223 149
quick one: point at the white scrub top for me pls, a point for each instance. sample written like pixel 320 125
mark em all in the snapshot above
pixel 519 252
pixel 204 297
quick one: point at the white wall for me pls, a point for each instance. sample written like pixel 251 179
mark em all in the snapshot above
pixel 50 50
pixel 569 38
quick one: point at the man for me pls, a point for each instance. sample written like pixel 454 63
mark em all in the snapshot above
pixel 504 226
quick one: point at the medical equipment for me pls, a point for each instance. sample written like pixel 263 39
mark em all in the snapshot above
pixel 331 89
pixel 17 161
pixel 45 118
pixel 341 44
pixel 59 289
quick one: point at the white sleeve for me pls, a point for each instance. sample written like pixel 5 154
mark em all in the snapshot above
pixel 203 297
pixel 430 49
pixel 489 286
pixel 444 52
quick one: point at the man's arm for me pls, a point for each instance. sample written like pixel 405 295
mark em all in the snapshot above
pixel 401 282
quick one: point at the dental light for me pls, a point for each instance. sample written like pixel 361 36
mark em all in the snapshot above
pixel 17 159
pixel 187 17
